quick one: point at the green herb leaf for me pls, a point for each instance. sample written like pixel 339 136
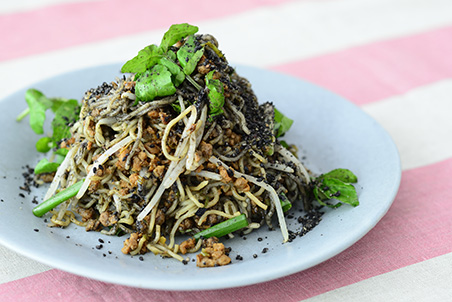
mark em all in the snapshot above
pixel 146 58
pixel 177 75
pixel 66 113
pixel 344 175
pixel 215 94
pixel 38 104
pixel 62 151
pixel 153 83
pixel 44 144
pixel 336 184
pixel 44 166
pixel 188 56
pixel 284 144
pixel 175 33
pixel 282 123
pixel 59 158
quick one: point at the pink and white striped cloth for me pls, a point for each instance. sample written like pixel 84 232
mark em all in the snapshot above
pixel 390 57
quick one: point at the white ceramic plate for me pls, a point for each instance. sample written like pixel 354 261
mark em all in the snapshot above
pixel 331 132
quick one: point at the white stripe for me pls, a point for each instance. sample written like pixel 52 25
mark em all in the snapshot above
pixel 8 7
pixel 419 122
pixel 429 280
pixel 297 30
pixel 14 266
pixel 260 37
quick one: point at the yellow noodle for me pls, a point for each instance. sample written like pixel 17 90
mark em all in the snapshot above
pixel 256 200
pixel 216 212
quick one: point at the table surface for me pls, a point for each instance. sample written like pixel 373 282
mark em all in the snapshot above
pixel 390 57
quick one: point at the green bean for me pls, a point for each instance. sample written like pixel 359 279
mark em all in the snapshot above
pixel 57 199
pixel 224 228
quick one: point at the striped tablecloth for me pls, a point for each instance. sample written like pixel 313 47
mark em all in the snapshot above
pixel 391 57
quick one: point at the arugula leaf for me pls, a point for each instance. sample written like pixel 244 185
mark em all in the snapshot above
pixel 146 58
pixel 215 94
pixel 43 144
pixel 336 184
pixel 153 83
pixel 38 104
pixel 282 123
pixel 175 33
pixel 44 166
pixel 188 56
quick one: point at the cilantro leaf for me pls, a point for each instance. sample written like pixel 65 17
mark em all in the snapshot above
pixel 146 58
pixel 153 83
pixel 175 33
pixel 336 184
pixel 188 56
pixel 215 94
pixel 282 123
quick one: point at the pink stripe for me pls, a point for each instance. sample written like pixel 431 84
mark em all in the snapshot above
pixel 375 71
pixel 61 26
pixel 416 228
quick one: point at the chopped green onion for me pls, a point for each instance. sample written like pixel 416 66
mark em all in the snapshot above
pixel 57 199
pixel 224 228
